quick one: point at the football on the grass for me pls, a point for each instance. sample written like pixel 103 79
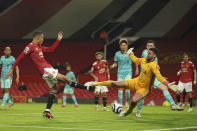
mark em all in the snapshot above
pixel 116 107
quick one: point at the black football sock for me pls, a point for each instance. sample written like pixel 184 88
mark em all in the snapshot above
pixel 50 102
pixel 77 85
pixel 96 100
pixel 178 98
pixel 104 101
pixel 184 95
pixel 190 101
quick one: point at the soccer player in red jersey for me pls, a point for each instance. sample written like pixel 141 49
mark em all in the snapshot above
pixel 100 72
pixel 35 50
pixel 185 82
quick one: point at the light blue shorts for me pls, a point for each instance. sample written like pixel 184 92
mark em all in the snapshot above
pixel 68 90
pixel 156 83
pixel 6 83
pixel 124 77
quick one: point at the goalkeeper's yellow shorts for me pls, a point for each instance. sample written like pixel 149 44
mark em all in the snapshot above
pixel 133 85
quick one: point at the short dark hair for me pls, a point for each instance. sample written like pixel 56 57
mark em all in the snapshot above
pixel 150 41
pixel 67 64
pixel 154 50
pixel 99 53
pixel 185 54
pixel 37 33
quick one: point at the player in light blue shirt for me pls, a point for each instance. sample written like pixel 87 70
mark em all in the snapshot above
pixel 6 61
pixel 157 84
pixel 124 64
pixel 68 90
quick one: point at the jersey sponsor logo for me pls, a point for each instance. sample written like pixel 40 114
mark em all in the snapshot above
pixel 184 69
pixel 102 70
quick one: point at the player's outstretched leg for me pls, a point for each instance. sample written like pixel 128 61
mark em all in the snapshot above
pixel 167 95
pixel 63 78
pixel 139 108
pixel 137 97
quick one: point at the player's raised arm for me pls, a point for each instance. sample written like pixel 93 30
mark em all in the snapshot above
pixel 55 44
pixel 134 58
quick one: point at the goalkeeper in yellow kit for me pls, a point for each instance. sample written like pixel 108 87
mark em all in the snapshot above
pixel 143 84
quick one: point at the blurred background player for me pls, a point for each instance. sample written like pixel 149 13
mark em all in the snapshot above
pixel 6 61
pixel 124 64
pixel 185 82
pixel 68 90
pixel 157 84
pixel 100 72
pixel 49 74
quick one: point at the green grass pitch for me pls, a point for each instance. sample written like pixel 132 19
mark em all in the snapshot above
pixel 28 117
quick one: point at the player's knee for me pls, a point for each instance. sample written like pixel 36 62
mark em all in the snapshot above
pixel 178 92
pixel 190 94
pixel 97 93
pixel 6 90
pixel 104 94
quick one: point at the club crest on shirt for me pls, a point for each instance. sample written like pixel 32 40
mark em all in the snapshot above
pixel 40 54
pixel 26 49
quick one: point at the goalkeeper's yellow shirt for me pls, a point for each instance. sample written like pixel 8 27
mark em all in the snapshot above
pixel 149 70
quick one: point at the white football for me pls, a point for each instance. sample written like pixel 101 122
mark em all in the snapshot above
pixel 116 108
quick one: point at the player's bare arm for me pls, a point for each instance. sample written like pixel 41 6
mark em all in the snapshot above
pixel 92 74
pixel 195 77
pixel 108 73
pixel 74 79
pixel 179 73
pixel 9 73
pixel 114 65
pixel 60 35
pixel 17 75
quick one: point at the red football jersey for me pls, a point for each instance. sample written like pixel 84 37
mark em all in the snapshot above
pixel 100 70
pixel 36 53
pixel 187 69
